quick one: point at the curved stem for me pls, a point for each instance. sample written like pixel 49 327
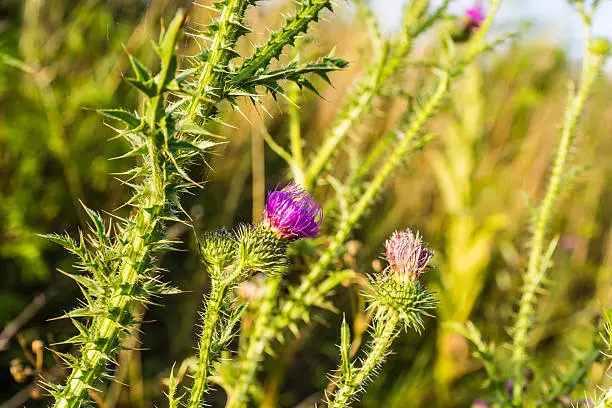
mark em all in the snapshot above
pixel 404 146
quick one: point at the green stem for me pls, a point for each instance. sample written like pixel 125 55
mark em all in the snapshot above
pixel 534 274
pixel 351 386
pixel 250 359
pixel 106 330
pixel 295 134
pixel 211 81
pixel 210 320
pixel 404 147
pixel 298 23
pixel 390 60
pixel 358 103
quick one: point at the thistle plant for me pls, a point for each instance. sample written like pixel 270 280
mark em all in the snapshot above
pixel 290 214
pixel 397 299
pixel 168 135
pixel 540 254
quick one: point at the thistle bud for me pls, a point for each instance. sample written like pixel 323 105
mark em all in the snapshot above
pixel 397 288
pixel 407 256
pixel 260 249
pixel 218 252
pixel 218 248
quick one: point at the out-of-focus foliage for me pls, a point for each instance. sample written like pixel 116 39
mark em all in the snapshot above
pixel 466 193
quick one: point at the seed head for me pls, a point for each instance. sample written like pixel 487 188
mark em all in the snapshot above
pixel 407 255
pixel 292 213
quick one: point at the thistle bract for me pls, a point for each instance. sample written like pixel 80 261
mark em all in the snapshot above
pixel 291 213
pixel 260 249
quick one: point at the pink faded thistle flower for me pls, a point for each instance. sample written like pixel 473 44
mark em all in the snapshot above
pixel 407 255
pixel 292 213
pixel 475 16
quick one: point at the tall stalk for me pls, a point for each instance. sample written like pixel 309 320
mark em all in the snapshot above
pixel 540 254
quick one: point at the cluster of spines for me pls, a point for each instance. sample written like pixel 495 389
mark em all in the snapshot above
pixel 230 81
pixel 254 70
pixel 410 301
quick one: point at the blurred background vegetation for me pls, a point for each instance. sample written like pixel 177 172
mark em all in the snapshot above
pixel 466 193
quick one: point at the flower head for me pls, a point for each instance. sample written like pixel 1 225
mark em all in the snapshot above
pixel 407 255
pixel 292 213
pixel 474 16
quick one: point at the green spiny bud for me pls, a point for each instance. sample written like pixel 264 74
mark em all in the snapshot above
pixel 218 251
pixel 261 249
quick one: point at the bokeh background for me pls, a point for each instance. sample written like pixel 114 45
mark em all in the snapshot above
pixel 466 192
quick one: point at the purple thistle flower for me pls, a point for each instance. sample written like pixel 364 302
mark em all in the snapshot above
pixel 407 255
pixel 475 16
pixel 292 213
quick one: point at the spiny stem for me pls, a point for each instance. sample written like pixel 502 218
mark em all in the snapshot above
pixel 358 103
pixel 298 23
pixel 210 319
pixel 258 340
pixel 535 269
pixel 390 59
pixel 404 146
pixel 210 83
pixel 349 387
pixel 107 330
pixel 295 135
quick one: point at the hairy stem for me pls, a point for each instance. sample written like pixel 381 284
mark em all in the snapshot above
pixel 211 82
pixel 106 330
pixel 390 60
pixel 349 387
pixel 209 323
pixel 250 359
pixel 536 268
pixel 358 103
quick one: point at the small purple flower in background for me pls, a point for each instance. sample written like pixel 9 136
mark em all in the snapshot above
pixel 292 213
pixel 407 255
pixel 470 21
pixel 509 388
pixel 474 16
